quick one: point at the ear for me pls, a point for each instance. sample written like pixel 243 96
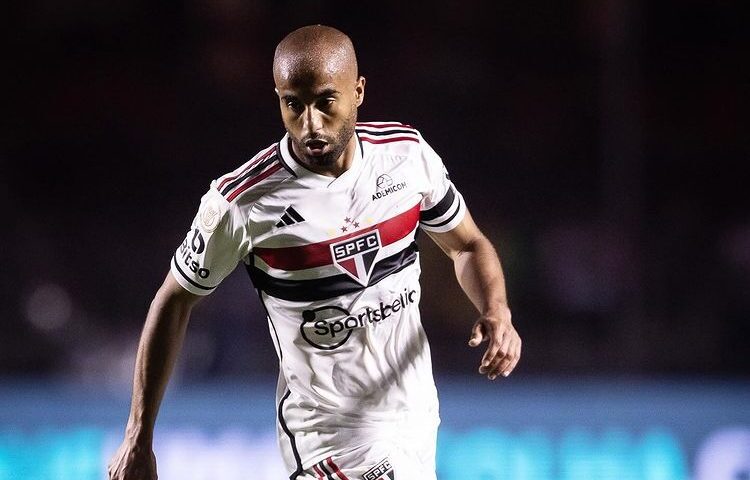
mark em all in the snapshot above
pixel 359 91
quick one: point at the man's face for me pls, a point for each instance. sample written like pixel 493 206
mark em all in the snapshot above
pixel 319 110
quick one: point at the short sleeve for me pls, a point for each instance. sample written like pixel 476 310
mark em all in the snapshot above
pixel 214 245
pixel 442 207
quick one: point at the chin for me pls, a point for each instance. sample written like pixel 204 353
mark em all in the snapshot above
pixel 327 160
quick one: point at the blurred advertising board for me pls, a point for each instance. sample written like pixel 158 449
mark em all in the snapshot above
pixel 521 429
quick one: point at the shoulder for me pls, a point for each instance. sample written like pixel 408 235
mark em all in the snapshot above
pixel 387 133
pixel 253 179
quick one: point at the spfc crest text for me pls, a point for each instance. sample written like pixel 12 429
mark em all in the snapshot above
pixel 381 471
pixel 356 256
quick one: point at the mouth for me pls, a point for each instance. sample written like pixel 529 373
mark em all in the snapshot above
pixel 316 147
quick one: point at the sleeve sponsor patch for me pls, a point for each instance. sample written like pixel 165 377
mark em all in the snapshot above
pixel 210 215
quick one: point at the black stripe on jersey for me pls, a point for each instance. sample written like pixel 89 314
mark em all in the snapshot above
pixel 284 427
pixel 324 469
pixel 440 209
pixel 329 287
pixel 270 320
pixel 361 146
pixel 253 171
pixel 281 159
pixel 383 132
pixel 450 219
pixel 186 277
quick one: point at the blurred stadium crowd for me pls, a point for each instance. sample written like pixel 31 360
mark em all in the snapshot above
pixel 600 145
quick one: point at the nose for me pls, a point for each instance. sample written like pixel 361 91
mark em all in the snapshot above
pixel 312 122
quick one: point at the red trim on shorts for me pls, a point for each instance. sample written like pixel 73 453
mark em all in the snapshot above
pixel 335 469
pixel 318 472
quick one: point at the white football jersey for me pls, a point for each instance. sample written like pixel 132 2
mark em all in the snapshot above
pixel 335 263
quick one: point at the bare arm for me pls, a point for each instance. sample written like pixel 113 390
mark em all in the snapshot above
pixel 481 277
pixel 161 341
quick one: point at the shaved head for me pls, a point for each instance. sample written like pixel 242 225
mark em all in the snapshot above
pixel 314 50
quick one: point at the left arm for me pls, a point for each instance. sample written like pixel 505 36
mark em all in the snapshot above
pixel 480 275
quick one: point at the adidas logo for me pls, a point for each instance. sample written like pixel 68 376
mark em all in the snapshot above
pixel 290 217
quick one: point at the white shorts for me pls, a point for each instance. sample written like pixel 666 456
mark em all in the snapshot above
pixel 380 460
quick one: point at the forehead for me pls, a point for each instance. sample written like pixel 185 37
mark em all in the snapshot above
pixel 312 72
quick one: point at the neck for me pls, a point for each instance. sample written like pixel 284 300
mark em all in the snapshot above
pixel 341 165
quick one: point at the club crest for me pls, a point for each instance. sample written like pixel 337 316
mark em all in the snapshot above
pixel 356 256
pixel 382 471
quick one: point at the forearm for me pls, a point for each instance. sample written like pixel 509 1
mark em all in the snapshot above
pixel 480 275
pixel 160 343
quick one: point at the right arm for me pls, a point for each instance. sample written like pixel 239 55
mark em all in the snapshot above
pixel 160 343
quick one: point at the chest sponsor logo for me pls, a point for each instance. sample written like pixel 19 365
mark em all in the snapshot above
pixel 329 327
pixel 384 186
pixel 382 471
pixel 356 256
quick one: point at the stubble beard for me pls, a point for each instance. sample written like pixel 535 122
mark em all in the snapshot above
pixel 338 145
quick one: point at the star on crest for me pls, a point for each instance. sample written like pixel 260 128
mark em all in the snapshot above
pixel 349 223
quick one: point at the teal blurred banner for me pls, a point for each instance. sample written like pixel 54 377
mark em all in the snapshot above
pixel 538 429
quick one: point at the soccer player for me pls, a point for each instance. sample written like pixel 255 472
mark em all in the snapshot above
pixel 325 221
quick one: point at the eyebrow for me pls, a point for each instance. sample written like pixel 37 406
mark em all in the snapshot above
pixel 324 93
pixel 328 92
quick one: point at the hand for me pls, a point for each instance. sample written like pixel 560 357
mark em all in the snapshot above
pixel 504 349
pixel 133 462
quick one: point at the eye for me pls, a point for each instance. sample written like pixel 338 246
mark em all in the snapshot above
pixel 326 103
pixel 294 105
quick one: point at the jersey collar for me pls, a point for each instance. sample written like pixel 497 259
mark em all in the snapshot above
pixel 315 179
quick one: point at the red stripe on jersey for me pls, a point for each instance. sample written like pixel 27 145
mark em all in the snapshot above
pixel 384 125
pixel 319 254
pixel 336 469
pixel 318 473
pixel 251 165
pixel 387 140
pixel 249 183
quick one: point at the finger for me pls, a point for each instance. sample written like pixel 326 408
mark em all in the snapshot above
pixel 476 334
pixel 502 367
pixel 490 353
pixel 489 358
pixel 492 368
pixel 509 361
pixel 516 358
pixel 508 351
pixel 499 339
pixel 501 360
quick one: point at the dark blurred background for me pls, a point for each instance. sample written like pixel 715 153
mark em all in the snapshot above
pixel 601 145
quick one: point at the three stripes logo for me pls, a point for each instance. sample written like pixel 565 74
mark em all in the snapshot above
pixel 290 217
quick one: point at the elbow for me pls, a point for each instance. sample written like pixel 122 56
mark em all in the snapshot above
pixel 473 245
